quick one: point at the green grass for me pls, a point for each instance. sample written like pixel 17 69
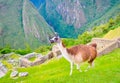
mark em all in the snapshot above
pixel 106 70
pixel 8 65
pixel 112 34
pixel 32 58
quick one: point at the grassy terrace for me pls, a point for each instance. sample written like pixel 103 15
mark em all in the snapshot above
pixel 106 70
pixel 115 34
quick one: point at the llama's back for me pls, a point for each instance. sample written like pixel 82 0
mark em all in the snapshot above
pixel 86 52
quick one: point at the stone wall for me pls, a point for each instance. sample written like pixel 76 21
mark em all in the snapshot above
pixel 110 47
pixel 25 62
pixel 101 43
pixel 3 70
pixel 56 51
pixel 105 46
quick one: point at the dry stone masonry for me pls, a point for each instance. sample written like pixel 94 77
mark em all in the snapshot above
pixel 105 46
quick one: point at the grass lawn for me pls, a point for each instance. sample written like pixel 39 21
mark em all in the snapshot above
pixel 106 70
pixel 32 58
pixel 115 34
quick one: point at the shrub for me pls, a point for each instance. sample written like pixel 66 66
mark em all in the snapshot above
pixel 5 50
pixel 68 41
pixel 85 37
pixel 43 49
pixel 22 51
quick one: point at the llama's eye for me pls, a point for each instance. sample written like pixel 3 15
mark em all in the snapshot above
pixel 52 41
pixel 56 38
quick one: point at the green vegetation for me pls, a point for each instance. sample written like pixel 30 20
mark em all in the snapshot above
pixel 43 49
pixel 8 65
pixel 23 51
pixel 5 50
pixel 106 70
pixel 97 31
pixel 32 58
pixel 115 34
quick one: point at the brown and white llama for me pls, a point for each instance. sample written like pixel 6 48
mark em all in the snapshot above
pixel 76 54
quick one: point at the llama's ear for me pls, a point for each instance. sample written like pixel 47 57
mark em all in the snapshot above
pixel 56 34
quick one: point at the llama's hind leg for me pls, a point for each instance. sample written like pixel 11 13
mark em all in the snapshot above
pixel 71 67
pixel 89 66
pixel 78 67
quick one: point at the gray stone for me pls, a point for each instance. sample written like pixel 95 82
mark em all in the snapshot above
pixel 14 74
pixel 1 73
pixel 105 46
pixel 3 70
pixel 23 74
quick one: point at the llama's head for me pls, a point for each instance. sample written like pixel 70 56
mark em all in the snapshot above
pixel 55 39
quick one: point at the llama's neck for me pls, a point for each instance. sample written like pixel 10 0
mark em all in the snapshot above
pixel 64 51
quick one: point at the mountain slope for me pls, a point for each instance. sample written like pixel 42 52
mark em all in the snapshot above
pixel 21 25
pixel 76 16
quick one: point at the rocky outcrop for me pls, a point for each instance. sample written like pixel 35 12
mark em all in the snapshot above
pixel 72 12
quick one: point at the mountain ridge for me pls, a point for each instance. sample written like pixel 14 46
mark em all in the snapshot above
pixel 21 25
pixel 76 16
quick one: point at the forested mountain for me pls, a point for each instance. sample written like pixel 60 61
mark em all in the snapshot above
pixel 72 17
pixel 21 25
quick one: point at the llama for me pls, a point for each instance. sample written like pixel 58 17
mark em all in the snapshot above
pixel 76 54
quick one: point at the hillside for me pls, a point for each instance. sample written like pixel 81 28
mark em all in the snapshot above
pixel 106 69
pixel 21 25
pixel 72 17
pixel 112 34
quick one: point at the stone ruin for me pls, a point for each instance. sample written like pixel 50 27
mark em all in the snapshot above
pixel 105 46
pixel 3 70
pixel 25 62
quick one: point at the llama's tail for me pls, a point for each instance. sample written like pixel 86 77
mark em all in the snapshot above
pixel 93 45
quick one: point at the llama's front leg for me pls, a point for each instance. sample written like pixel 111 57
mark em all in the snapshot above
pixel 78 67
pixel 71 68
